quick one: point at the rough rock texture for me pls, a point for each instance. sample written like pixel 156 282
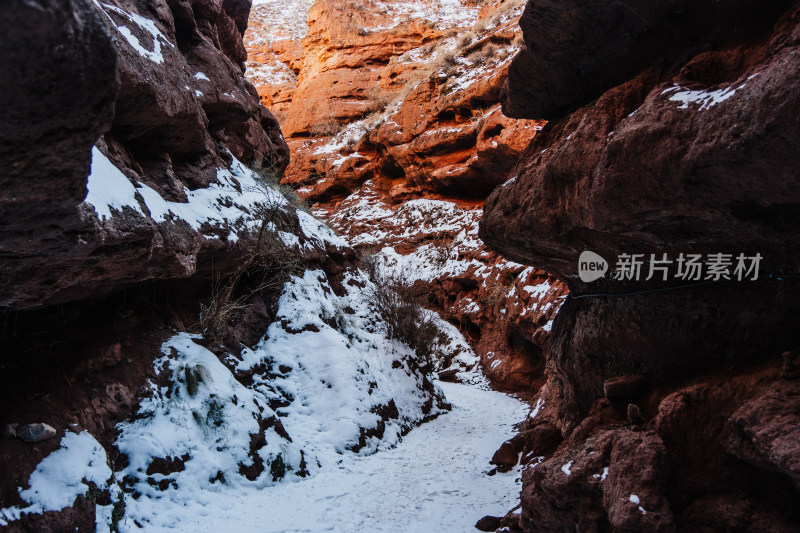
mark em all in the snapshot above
pixel 123 211
pixel 121 77
pixel 388 105
pixel 504 309
pixel 33 433
pixel 672 127
pixel 413 107
pixel 275 53
pixel 158 87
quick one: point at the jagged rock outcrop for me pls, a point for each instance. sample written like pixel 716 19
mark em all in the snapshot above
pixel 504 309
pixel 671 135
pixel 406 100
pixel 159 90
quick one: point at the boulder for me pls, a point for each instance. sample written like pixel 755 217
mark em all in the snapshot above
pixel 489 523
pixel 33 433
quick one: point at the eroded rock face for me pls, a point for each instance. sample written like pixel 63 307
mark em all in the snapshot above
pixel 403 93
pixel 683 149
pixel 158 89
pixel 563 69
pixel 392 104
pixel 505 310
pixel 137 222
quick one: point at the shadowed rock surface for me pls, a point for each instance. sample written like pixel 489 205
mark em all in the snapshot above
pixel 672 131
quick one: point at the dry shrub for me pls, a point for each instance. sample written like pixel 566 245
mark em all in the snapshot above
pixel 444 245
pixel 326 127
pixel 496 292
pixel 380 98
pixel 407 321
pixel 369 262
pixel 269 178
pixel 266 264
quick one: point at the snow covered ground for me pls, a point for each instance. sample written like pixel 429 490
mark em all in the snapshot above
pixel 434 480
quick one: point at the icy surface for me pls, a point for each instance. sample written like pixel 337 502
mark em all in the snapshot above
pixel 434 480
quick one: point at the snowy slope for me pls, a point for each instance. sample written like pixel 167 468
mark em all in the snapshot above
pixel 434 480
pixel 323 384
pixel 338 387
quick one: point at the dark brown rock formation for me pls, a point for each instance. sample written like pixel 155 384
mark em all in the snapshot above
pixel 114 86
pixel 673 131
pixel 159 89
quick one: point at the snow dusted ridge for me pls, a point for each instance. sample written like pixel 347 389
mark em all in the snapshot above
pixel 323 386
pixel 445 245
pixel 231 207
pixel 231 204
pixel 109 192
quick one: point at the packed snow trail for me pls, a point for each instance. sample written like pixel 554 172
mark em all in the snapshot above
pixel 434 480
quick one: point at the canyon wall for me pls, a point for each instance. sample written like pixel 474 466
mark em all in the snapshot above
pixel 149 261
pixel 672 130
pixel 161 95
pixel 392 116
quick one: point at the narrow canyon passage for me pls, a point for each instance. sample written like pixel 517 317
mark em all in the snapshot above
pixel 434 480
pixel 267 263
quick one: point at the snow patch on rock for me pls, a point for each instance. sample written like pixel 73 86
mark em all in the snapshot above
pixel 62 476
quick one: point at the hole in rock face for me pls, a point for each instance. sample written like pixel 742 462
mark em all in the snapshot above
pixel 493 131
pixel 447 115
pixel 469 329
pixel 389 168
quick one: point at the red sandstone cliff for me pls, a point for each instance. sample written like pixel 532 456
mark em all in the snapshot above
pixel 393 121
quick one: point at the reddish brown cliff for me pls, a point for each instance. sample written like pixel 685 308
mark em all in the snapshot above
pixel 674 133
pixel 170 119
pixel 395 102
pixel 124 126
